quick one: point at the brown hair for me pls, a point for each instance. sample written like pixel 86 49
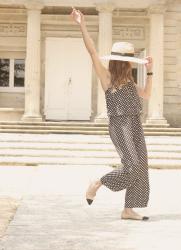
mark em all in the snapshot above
pixel 121 72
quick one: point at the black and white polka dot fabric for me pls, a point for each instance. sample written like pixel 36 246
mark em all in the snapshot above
pixel 126 132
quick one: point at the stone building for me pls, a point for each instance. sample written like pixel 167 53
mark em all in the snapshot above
pixel 46 73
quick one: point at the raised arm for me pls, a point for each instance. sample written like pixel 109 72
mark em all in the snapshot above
pixel 101 71
pixel 145 92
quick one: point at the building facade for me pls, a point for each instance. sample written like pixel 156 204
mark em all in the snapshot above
pixel 46 72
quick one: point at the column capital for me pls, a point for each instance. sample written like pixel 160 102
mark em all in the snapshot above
pixel 34 4
pixel 105 7
pixel 156 9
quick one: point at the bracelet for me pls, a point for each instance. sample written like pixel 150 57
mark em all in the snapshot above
pixel 149 73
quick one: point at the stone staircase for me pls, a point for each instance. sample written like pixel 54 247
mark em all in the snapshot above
pixel 88 128
pixel 75 149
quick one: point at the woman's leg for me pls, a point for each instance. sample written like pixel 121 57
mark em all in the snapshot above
pixel 121 134
pixel 92 189
pixel 127 136
pixel 137 195
pixel 130 176
pixel 119 179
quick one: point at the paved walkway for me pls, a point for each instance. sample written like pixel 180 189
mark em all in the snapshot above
pixel 53 214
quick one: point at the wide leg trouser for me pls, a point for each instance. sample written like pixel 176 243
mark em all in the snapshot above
pixel 127 135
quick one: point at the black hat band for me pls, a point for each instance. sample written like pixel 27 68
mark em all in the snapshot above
pixel 122 54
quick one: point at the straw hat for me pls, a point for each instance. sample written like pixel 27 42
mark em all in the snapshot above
pixel 123 51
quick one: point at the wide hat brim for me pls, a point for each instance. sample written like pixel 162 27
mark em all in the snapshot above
pixel 124 58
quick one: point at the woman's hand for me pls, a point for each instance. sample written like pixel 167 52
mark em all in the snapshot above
pixel 149 64
pixel 77 16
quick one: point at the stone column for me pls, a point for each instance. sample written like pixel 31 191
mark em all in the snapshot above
pixel 156 50
pixel 32 63
pixel 104 46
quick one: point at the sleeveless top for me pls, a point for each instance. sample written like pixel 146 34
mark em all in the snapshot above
pixel 124 101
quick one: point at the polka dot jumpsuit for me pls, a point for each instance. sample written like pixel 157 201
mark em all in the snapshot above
pixel 126 132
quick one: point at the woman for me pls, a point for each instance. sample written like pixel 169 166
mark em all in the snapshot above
pixel 125 128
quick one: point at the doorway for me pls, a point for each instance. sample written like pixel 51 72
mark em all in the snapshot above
pixel 68 73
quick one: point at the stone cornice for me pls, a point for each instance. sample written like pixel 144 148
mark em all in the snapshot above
pixel 157 9
pixel 172 1
pixel 105 7
pixel 34 4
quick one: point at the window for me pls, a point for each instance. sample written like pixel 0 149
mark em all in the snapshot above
pixel 19 72
pixel 12 72
pixel 4 72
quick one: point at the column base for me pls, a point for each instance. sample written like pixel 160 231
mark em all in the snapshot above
pixel 30 118
pixel 101 118
pixel 160 122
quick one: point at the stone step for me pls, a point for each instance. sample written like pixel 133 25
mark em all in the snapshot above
pixel 67 124
pixel 54 131
pixel 79 127
pixel 57 153
pixel 73 127
pixel 156 125
pixel 80 154
pixel 53 138
pixel 74 123
pixel 58 146
pixel 75 139
pixel 61 149
pixel 34 161
pixel 86 132
pixel 62 127
pixel 81 146
pixel 26 160
pixel 60 123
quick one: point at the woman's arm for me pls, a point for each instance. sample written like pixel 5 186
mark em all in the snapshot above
pixel 101 71
pixel 146 91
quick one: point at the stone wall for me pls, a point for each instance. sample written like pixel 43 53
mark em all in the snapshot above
pixel 11 100
pixel 172 68
pixel 133 27
pixel 12 45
